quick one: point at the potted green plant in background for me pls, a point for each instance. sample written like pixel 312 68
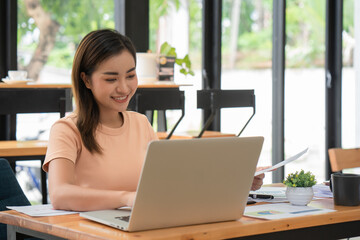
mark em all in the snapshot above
pixel 299 189
pixel 168 57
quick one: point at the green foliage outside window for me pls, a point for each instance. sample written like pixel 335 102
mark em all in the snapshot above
pixel 305 29
pixel 76 19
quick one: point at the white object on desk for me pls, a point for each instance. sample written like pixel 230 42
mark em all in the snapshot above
pixel 147 67
pixel 282 163
pixel 11 81
pixel 40 210
pixel 321 190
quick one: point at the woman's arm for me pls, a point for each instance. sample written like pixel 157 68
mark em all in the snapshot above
pixel 64 194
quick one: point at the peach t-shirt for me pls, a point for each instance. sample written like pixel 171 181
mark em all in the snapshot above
pixel 123 152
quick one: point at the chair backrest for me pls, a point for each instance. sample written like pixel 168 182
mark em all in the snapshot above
pixel 220 98
pixel 215 99
pixel 160 99
pixel 344 158
pixel 11 193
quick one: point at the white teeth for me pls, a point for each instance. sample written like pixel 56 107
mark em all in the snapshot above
pixel 120 98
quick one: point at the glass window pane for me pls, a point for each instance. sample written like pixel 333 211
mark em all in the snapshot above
pixel 246 64
pixel 305 85
pixel 351 77
pixel 49 33
pixel 179 23
pixel 348 76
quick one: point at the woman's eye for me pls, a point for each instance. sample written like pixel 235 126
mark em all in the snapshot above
pixel 131 76
pixel 110 79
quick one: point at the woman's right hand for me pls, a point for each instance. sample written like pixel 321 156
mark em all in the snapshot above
pixel 130 199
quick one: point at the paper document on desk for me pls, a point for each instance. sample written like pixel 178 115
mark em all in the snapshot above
pixel 321 190
pixel 282 210
pixel 282 163
pixel 39 210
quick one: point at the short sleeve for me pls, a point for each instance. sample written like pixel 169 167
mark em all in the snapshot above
pixel 64 142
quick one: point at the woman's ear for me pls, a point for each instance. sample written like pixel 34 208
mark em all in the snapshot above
pixel 85 79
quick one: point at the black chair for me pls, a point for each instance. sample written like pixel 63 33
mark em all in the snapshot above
pixel 147 102
pixel 11 193
pixel 215 99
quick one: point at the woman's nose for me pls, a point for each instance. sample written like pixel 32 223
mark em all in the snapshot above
pixel 122 87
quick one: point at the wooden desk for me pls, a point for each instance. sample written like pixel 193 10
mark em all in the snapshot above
pixel 344 222
pixel 23 148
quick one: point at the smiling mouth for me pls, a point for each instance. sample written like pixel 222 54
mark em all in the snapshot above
pixel 120 99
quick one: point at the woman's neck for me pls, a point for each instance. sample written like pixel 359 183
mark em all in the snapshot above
pixel 114 121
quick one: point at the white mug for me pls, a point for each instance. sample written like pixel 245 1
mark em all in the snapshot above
pixel 17 75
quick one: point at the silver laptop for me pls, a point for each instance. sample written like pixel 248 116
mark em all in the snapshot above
pixel 186 182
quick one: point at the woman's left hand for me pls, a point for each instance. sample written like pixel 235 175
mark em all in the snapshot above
pixel 258 180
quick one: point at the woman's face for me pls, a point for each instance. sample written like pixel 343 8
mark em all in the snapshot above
pixel 113 83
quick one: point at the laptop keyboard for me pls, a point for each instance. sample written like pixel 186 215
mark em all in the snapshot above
pixel 123 218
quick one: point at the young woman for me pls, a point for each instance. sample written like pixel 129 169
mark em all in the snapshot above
pixel 95 154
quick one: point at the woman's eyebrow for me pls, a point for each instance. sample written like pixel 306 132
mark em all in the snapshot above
pixel 116 73
pixel 131 69
pixel 111 73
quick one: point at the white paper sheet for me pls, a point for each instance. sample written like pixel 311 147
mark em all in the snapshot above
pixel 321 190
pixel 282 210
pixel 282 163
pixel 39 210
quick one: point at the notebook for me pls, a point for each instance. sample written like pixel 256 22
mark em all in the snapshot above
pixel 186 182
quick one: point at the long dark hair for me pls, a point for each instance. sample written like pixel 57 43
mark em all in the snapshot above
pixel 93 49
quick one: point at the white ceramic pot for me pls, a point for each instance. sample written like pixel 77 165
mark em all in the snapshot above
pixel 300 196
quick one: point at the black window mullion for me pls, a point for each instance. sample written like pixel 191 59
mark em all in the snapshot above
pixel 211 52
pixel 8 56
pixel 8 33
pixel 333 81
pixel 132 19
